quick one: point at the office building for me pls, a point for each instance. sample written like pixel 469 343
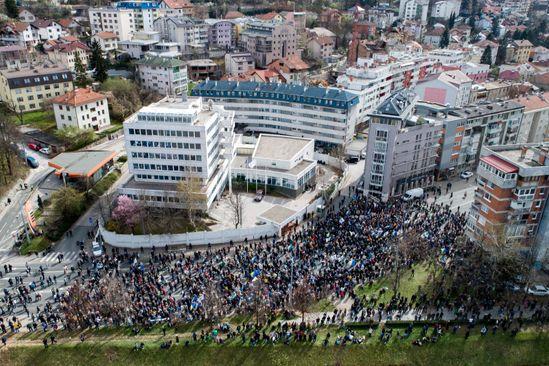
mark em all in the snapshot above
pixel 172 141
pixel 166 76
pixel 327 115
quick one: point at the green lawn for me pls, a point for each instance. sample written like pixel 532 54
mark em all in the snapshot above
pixel 35 245
pixel 43 120
pixel 528 348
pixel 105 183
pixel 408 285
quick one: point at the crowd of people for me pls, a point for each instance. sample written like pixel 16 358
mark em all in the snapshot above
pixel 355 242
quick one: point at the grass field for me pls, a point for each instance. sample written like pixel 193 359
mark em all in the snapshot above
pixel 528 348
pixel 409 284
pixel 35 245
pixel 43 120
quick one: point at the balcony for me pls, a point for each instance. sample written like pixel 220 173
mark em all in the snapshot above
pixel 521 205
pixel 498 181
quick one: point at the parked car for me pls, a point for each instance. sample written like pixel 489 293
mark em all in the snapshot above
pixel 538 290
pixel 466 174
pixel 32 162
pixel 413 194
pixel 45 150
pixel 259 195
pixel 33 147
pixel 352 160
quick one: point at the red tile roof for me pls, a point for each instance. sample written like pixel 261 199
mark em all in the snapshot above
pixel 499 164
pixel 267 16
pixel 78 97
pixel 65 22
pixel 533 102
pixel 234 15
pixel 106 35
pixel 178 4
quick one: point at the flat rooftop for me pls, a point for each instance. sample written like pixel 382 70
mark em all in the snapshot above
pixel 483 109
pixel 275 147
pixel 278 215
pixel 515 155
pixel 81 163
pixel 240 162
pixel 188 108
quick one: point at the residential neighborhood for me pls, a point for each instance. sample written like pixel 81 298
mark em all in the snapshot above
pixel 251 175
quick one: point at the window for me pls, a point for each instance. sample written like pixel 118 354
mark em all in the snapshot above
pixel 487 196
pixel 381 135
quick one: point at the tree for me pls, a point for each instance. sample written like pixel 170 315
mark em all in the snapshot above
pixel 452 21
pixel 235 202
pixel 81 78
pixel 67 204
pixel 126 211
pixel 8 156
pixel 39 202
pixel 501 54
pixel 123 96
pixel 303 297
pixel 486 57
pixel 76 137
pixel 472 22
pixel 445 39
pixel 98 63
pixel 494 33
pixel 190 193
pixel 11 9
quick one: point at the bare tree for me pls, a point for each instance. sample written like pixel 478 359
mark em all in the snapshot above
pixel 303 297
pixel 190 192
pixel 258 294
pixel 76 306
pixel 213 302
pixel 236 205
pixel 114 302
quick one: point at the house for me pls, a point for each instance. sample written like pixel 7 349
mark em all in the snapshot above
pixel 27 89
pixel 140 44
pixel 64 53
pixel 18 33
pixel 270 17
pixel 82 108
pixel 107 40
pixel 26 16
pixel 432 37
pixel 540 54
pixel 481 46
pixel 238 63
pixel 44 30
pixel 72 27
pixel 452 88
pixel 177 8
pixel 294 69
pixel 330 17
pixel 165 76
pixel 203 69
pixel 232 14
pixel 321 48
pixel 14 57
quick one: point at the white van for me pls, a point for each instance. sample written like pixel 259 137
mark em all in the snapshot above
pixel 413 194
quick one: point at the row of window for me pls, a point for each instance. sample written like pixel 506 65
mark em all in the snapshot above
pixel 165 177
pixel 163 156
pixel 147 132
pixel 497 172
pixel 171 168
pixel 169 145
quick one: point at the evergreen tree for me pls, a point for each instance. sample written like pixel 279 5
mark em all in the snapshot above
pixel 445 39
pixel 494 34
pixel 81 78
pixel 452 21
pixel 464 9
pixel 500 55
pixel 11 9
pixel 472 22
pixel 486 57
pixel 98 62
pixel 517 34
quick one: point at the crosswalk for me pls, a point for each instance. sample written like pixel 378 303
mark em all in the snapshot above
pixel 71 256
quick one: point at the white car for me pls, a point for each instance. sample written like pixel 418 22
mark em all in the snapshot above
pixel 97 250
pixel 466 174
pixel 45 150
pixel 538 290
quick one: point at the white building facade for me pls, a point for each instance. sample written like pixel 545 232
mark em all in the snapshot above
pixel 166 76
pixel 82 108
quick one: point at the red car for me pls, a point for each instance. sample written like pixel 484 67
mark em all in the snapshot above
pixel 33 147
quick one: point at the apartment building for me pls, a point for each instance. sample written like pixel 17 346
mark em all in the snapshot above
pixel 402 147
pixel 268 41
pixel 203 69
pixel 139 44
pixel 82 108
pixel 107 40
pixel 189 33
pixel 26 90
pixel 172 141
pixel 221 33
pixel 45 30
pixel 414 10
pixel 144 13
pixel 511 195
pixel 64 54
pixel 110 19
pixel 238 63
pixel 534 127
pixel 166 76
pixel 18 33
pixel 518 51
pixel 473 127
pixel 448 57
pixel 327 115
pixel 174 8
pixel 451 88
pixel 375 81
pixel 445 8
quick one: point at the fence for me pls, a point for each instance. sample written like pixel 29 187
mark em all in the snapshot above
pixel 197 238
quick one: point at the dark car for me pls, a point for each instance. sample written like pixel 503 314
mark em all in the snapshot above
pixel 259 195
pixel 32 162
